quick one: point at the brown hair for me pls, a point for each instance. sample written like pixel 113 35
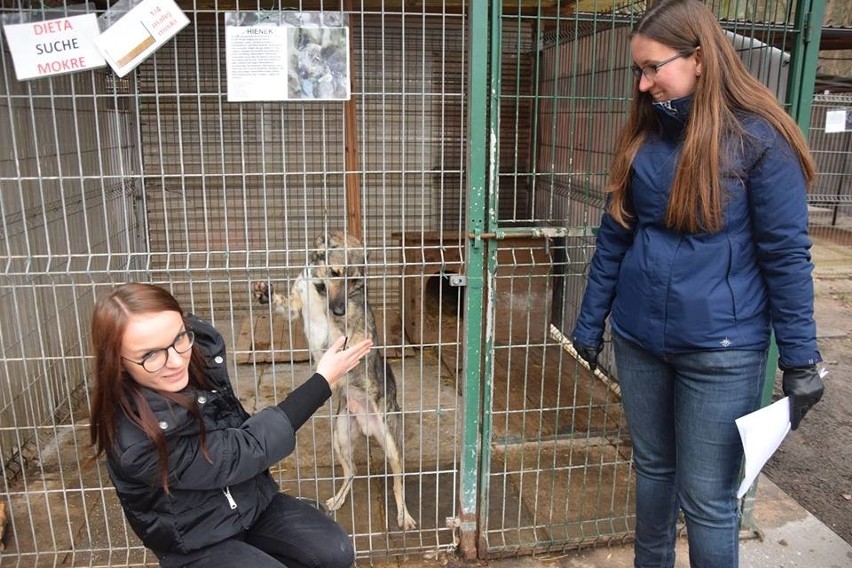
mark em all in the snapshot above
pixel 116 392
pixel 724 90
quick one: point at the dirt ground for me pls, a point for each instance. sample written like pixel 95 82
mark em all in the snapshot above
pixel 814 463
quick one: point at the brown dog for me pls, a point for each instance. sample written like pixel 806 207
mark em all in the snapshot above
pixel 331 298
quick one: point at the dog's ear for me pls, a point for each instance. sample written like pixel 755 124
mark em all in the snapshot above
pixel 356 248
pixel 317 255
pixel 335 235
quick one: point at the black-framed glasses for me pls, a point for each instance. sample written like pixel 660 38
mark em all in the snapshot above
pixel 650 71
pixel 157 359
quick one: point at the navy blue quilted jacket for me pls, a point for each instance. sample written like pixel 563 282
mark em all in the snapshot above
pixel 672 292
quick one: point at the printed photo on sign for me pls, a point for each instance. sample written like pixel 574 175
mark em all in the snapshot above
pixel 135 40
pixel 319 63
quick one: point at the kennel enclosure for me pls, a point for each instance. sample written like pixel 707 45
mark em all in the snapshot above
pixel 470 157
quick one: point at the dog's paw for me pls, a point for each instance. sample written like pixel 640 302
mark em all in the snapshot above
pixel 333 503
pixel 262 291
pixel 405 521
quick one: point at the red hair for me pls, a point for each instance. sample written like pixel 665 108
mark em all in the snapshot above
pixel 116 393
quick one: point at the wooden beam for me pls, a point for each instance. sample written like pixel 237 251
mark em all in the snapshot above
pixel 352 182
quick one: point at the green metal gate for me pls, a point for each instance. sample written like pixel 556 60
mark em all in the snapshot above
pixel 547 459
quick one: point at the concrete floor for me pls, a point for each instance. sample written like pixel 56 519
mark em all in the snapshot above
pixel 787 537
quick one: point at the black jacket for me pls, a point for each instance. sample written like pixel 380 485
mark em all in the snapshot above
pixel 206 503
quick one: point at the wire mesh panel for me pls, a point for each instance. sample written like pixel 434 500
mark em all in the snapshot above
pixel 559 469
pixel 157 177
pixel 68 173
pixel 830 197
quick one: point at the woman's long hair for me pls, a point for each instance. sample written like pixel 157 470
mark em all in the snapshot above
pixel 116 393
pixel 724 91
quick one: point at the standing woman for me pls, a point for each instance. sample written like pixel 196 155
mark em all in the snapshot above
pixel 702 251
pixel 189 464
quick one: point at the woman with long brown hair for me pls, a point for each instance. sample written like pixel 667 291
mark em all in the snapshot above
pixel 702 252
pixel 189 464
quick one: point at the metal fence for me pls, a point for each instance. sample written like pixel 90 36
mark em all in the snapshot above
pixel 156 177
pixel 469 158
pixel 830 198
pixel 557 436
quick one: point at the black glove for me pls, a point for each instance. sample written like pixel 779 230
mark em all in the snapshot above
pixel 804 387
pixel 589 355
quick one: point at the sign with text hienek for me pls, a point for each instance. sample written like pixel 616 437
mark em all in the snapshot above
pixel 287 56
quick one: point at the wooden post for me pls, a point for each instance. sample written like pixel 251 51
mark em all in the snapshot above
pixel 352 182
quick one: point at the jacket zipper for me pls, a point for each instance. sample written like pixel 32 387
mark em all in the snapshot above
pixel 231 502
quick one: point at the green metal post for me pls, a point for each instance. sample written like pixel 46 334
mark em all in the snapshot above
pixel 747 505
pixel 803 57
pixel 477 158
pixel 489 211
pixel 800 85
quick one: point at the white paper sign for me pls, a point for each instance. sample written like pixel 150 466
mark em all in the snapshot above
pixel 139 33
pixel 54 47
pixel 287 56
pixel 256 59
pixel 838 120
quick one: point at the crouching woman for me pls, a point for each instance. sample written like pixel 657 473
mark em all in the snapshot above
pixel 189 464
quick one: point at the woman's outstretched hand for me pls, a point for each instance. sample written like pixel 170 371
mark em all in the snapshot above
pixel 336 362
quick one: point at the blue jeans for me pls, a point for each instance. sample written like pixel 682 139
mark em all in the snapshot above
pixel 686 449
pixel 289 533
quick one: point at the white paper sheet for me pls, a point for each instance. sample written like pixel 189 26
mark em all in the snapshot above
pixel 52 47
pixel 287 56
pixel 762 432
pixel 837 120
pixel 133 35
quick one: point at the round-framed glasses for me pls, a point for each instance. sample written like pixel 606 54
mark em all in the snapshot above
pixel 156 360
pixel 650 71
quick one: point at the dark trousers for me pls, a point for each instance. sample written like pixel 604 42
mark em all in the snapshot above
pixel 290 533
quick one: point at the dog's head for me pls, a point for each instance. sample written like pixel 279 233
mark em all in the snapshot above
pixel 338 265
